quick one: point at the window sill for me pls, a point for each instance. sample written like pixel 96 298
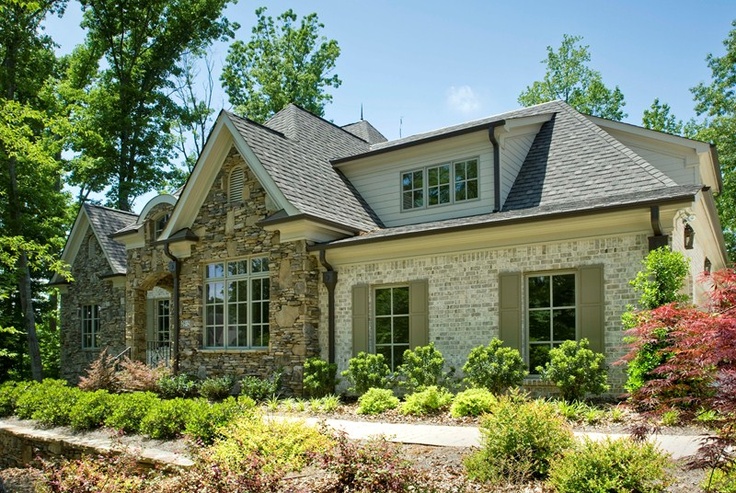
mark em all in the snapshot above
pixel 216 350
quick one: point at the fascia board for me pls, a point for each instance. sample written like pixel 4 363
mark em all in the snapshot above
pixel 74 241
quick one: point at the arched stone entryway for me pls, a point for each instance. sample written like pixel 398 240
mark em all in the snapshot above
pixel 148 324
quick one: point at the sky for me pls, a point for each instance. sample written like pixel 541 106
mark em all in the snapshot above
pixel 415 66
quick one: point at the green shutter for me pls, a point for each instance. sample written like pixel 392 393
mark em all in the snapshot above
pixel 592 321
pixel 509 313
pixel 360 318
pixel 418 314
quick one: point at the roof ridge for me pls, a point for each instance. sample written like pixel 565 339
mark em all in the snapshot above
pixel 111 209
pixel 245 119
pixel 327 122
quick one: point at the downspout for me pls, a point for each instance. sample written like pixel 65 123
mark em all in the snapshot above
pixel 496 164
pixel 176 271
pixel 329 278
pixel 658 239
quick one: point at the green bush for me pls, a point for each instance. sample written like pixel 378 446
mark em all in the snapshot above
pixel 431 400
pixel 205 419
pixel 376 401
pixel 216 388
pixel 320 377
pixel 494 367
pixel 128 410
pixel 576 370
pixel 422 367
pixel 261 389
pixel 472 402
pixel 720 481
pixel 611 465
pixel 49 402
pixel 90 410
pixel 167 418
pixel 520 440
pixel 9 393
pixel 367 371
pixel 173 386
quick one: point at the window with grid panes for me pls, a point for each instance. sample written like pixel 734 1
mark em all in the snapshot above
pixel 551 313
pixel 237 297
pixel 90 317
pixel 392 323
pixel 447 183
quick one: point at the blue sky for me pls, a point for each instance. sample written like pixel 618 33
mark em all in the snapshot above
pixel 431 64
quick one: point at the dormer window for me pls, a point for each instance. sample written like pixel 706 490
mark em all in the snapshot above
pixel 441 184
pixel 159 225
pixel 236 183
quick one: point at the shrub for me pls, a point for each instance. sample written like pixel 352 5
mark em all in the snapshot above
pixel 173 386
pixel 90 410
pixel 260 389
pixel 136 376
pixel 366 371
pixel 320 377
pixel 472 402
pixel 431 400
pixel 167 418
pixel 494 367
pixel 101 374
pixel 575 370
pixel 128 410
pixel 216 388
pixel 520 440
pixel 9 393
pixel 376 401
pixel 49 402
pixel 377 465
pixel 421 367
pixel 205 419
pixel 102 474
pixel 611 465
pixel 720 481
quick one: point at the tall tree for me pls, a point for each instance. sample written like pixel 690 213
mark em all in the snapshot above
pixel 32 213
pixel 568 77
pixel 716 100
pixel 128 102
pixel 282 63
pixel 659 117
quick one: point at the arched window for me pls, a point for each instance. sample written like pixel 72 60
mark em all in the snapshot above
pixel 236 182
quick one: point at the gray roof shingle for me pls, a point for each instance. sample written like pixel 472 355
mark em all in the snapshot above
pixel 104 222
pixel 365 131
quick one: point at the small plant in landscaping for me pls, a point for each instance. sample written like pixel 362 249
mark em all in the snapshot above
pixel 366 371
pixel 128 410
pixel 431 400
pixel 422 367
pixel 102 474
pixel 330 403
pixel 575 370
pixel 472 402
pixel 48 402
pixel 166 418
pixel 494 367
pixel 101 374
pixel 611 465
pixel 320 377
pixel 205 419
pixel 671 417
pixel 173 386
pixel 376 401
pixel 520 440
pixel 90 410
pixel 260 389
pixel 216 388
pixel 136 376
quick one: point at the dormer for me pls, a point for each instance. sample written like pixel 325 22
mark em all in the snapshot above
pixel 150 225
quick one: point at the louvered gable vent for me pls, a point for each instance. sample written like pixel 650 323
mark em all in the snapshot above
pixel 237 179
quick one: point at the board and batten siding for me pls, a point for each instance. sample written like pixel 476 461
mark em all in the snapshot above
pixel 513 153
pixel 378 178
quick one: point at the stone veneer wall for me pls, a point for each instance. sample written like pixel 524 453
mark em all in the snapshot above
pixel 463 290
pixel 229 231
pixel 90 288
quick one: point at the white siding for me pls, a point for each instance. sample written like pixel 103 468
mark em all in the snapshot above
pixel 378 179
pixel 513 154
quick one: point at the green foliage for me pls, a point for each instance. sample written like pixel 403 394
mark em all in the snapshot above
pixel 128 410
pixel 658 117
pixel 320 377
pixel 720 481
pixel 216 388
pixel 520 440
pixel 660 281
pixel 569 78
pixel 90 410
pixel 366 371
pixel 575 370
pixel 325 404
pixel 494 367
pixel 9 393
pixel 167 418
pixel 472 402
pixel 421 367
pixel 611 465
pixel 282 63
pixel 671 417
pixel 48 402
pixel 582 412
pixel 182 385
pixel 260 389
pixel 431 400
pixel 376 401
pixel 205 419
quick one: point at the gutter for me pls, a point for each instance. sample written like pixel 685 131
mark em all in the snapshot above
pixel 176 271
pixel 329 278
pixel 496 164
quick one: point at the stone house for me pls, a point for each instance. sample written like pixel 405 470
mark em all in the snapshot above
pixel 300 238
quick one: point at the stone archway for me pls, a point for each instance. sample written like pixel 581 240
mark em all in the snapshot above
pixel 141 315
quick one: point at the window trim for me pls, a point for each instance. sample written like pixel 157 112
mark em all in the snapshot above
pixel 374 317
pixel 225 279
pixel 161 219
pixel 425 184
pixel 93 323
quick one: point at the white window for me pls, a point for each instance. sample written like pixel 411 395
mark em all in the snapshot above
pixel 236 306
pixel 159 225
pixel 551 315
pixel 441 184
pixel 163 317
pixel 90 326
pixel 392 323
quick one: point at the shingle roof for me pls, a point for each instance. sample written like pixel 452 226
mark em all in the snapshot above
pixel 365 131
pixel 104 222
pixel 296 147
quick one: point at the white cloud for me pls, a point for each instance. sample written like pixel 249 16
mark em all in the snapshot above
pixel 463 99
